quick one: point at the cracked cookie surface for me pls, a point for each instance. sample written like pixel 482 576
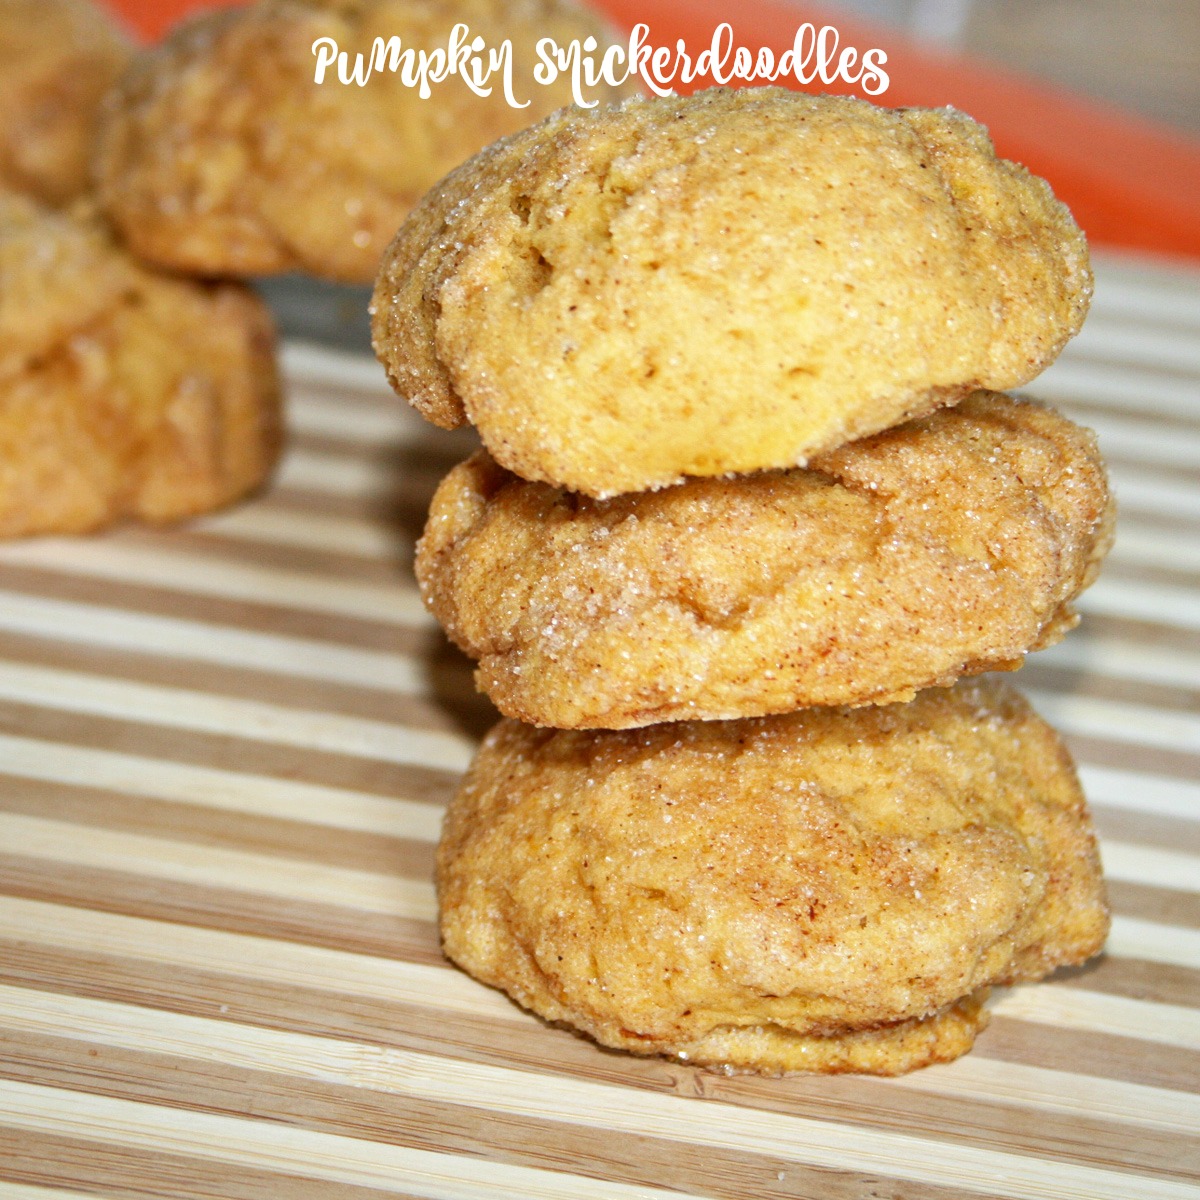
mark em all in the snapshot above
pixel 727 282
pixel 829 890
pixel 952 544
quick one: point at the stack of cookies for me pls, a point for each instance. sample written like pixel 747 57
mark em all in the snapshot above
pixel 748 516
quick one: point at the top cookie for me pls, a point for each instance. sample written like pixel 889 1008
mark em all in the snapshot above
pixel 57 59
pixel 726 282
pixel 219 155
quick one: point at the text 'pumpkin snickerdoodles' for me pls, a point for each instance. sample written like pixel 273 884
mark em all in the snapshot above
pixel 830 890
pixel 219 154
pixel 726 282
pixel 123 392
pixel 952 544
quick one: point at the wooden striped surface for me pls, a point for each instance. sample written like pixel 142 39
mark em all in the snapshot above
pixel 224 750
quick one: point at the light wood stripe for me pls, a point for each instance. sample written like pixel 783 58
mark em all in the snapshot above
pixel 1073 1008
pixel 1151 866
pixel 1144 492
pixel 1132 937
pixel 1139 440
pixel 1109 338
pixel 1088 716
pixel 1142 792
pixel 1165 296
pixel 337 474
pixel 1108 657
pixel 314 413
pixel 1131 598
pixel 232 717
pixel 1124 389
pixel 311 531
pixel 312 364
pixel 1028 1087
pixel 259 958
pixel 1146 546
pixel 28 1191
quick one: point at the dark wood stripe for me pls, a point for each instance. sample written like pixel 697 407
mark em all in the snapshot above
pixel 287 919
pixel 1148 903
pixel 1129 629
pixel 1080 409
pixel 120 1173
pixel 1100 1054
pixel 1147 829
pixel 1130 756
pixel 1138 979
pixel 1109 687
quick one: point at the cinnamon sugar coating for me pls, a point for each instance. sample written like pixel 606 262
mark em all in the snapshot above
pixel 828 890
pixel 726 282
pixel 122 392
pixel 57 59
pixel 947 546
pixel 220 155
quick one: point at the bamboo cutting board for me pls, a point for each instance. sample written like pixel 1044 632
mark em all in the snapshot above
pixel 224 750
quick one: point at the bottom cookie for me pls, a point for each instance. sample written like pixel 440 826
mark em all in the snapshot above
pixel 829 890
pixel 884 1050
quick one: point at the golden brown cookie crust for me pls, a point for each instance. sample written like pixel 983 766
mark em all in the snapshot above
pixel 122 392
pixel 727 282
pixel 220 155
pixel 57 59
pixel 824 890
pixel 949 545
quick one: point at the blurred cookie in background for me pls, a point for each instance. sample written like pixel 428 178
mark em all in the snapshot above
pixel 123 392
pixel 220 155
pixel 57 59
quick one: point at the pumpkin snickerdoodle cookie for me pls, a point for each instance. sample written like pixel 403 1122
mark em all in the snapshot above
pixel 830 890
pixel 726 282
pixel 949 545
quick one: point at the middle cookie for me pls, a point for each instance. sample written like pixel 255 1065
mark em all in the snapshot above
pixel 947 546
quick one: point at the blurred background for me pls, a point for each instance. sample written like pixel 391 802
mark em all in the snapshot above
pixel 1141 56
